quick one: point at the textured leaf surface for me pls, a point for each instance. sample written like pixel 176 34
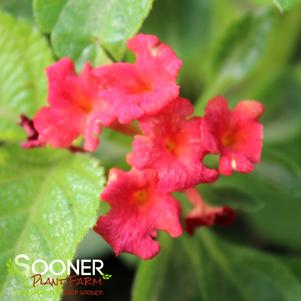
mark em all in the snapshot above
pixel 24 54
pixel 76 25
pixel 48 201
pixel 208 269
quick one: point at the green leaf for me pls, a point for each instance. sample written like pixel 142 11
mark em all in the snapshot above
pixel 294 263
pixel 227 192
pixel 224 192
pixel 76 25
pixel 47 13
pixel 281 97
pixel 91 246
pixel 24 54
pixel 276 184
pixel 18 8
pixel 276 181
pixel 278 89
pixel 237 53
pixel 170 20
pixel 48 201
pixel 283 28
pixel 170 275
pixel 282 5
pixel 209 269
pixel 285 5
pixel 241 47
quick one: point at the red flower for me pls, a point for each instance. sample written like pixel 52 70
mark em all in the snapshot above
pixel 235 135
pixel 138 210
pixel 208 216
pixel 149 48
pixel 204 215
pixel 171 144
pixel 75 107
pixel 145 87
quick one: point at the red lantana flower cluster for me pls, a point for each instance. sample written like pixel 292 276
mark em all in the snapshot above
pixel 168 151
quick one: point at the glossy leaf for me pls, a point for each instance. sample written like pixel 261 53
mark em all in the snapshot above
pixel 76 25
pixel 24 54
pixel 208 269
pixel 48 201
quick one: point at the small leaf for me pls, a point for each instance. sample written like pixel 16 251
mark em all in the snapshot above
pixel 24 54
pixel 48 201
pixel 76 25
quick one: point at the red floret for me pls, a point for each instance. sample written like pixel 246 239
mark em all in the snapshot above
pixel 171 144
pixel 204 215
pixel 145 87
pixel 235 135
pixel 137 211
pixel 75 107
